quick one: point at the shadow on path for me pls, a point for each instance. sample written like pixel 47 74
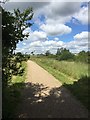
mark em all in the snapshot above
pixel 39 101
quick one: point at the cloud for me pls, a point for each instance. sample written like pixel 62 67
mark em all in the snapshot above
pixel 35 35
pixel 24 43
pixel 82 15
pixel 53 43
pixel 36 44
pixel 56 39
pixel 40 46
pixel 75 48
pixel 27 30
pixel 40 34
pixel 56 14
pixel 82 35
pixel 55 29
pixel 79 43
pixel 62 8
pixel 60 12
pixel 22 5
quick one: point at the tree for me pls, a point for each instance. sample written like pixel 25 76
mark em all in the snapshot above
pixel 83 56
pixel 32 52
pixel 64 54
pixel 47 53
pixel 58 51
pixel 13 26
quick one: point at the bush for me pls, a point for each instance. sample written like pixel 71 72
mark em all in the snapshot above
pixel 82 57
pixel 64 54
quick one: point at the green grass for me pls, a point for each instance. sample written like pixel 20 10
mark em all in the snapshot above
pixel 73 70
pixel 73 75
pixel 18 78
pixel 12 94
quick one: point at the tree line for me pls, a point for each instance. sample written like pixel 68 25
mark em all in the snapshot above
pixel 65 54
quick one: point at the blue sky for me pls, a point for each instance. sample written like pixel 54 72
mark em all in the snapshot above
pixel 55 25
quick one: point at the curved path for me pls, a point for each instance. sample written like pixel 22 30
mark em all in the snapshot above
pixel 45 97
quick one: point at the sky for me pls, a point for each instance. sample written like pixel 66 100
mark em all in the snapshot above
pixel 55 25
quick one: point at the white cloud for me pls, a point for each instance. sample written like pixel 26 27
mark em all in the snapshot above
pixel 58 19
pixel 56 39
pixel 55 29
pixel 56 15
pixel 24 43
pixel 60 12
pixel 40 34
pixel 37 35
pixel 82 15
pixel 22 5
pixel 27 30
pixel 53 43
pixel 79 43
pixel 36 44
pixel 62 8
pixel 82 35
pixel 41 46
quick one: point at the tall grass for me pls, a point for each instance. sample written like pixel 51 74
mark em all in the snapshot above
pixel 73 69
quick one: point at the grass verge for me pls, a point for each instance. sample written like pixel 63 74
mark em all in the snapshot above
pixel 12 95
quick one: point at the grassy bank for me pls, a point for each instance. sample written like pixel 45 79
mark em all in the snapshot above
pixel 73 70
pixel 73 75
pixel 12 93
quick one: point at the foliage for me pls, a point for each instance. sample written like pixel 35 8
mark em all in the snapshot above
pixel 32 52
pixel 15 64
pixel 82 56
pixel 47 53
pixel 64 54
pixel 13 26
pixel 58 51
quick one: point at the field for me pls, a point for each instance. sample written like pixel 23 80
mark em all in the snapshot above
pixel 73 75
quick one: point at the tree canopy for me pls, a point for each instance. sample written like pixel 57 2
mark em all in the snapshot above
pixel 13 25
pixel 47 53
pixel 64 54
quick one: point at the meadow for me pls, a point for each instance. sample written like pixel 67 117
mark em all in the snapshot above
pixel 73 75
